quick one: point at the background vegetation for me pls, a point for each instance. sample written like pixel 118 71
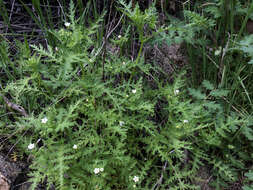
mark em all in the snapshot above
pixel 87 104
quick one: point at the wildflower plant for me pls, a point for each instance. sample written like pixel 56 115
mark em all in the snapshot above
pixel 102 127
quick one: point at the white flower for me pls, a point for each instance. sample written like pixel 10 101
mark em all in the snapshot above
pixel 101 169
pixel 119 36
pixel 121 123
pixel 136 179
pixel 31 146
pixel 218 51
pixel 176 92
pixel 134 185
pixel 96 170
pixel 186 121
pixel 56 49
pixel 75 146
pixel 67 24
pixel 134 91
pixel 123 62
pixel 44 120
pixel 127 95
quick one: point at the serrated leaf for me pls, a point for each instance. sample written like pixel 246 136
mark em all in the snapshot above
pixel 247 187
pixel 197 94
pixel 248 132
pixel 250 175
pixel 219 93
pixel 207 85
pixel 251 61
pixel 212 105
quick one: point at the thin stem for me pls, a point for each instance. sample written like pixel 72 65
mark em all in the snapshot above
pixel 250 10
pixel 140 51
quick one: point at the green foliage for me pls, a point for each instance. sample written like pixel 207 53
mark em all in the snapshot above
pixel 140 19
pixel 99 122
pixel 245 45
pixel 249 181
pixel 225 135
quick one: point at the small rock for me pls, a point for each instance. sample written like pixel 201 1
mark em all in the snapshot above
pixel 8 173
pixel 4 185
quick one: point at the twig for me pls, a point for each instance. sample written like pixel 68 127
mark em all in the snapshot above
pixel 105 44
pixel 16 107
pixel 12 6
pixel 222 65
pixel 109 34
pixel 62 10
pixel 159 181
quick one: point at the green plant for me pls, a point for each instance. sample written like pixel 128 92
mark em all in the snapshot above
pixel 107 122
pixel 227 135
pixel 139 19
pixel 249 176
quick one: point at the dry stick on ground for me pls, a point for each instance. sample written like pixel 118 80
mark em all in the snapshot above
pixel 222 68
pixel 16 107
pixel 159 181
pixel 12 7
pixel 104 50
pixel 62 10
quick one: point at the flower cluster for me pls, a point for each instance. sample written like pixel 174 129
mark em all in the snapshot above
pixel 97 170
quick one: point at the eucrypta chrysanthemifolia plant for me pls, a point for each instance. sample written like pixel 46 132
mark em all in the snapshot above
pixel 82 132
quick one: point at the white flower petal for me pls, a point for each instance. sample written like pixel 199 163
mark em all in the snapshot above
pixel 136 179
pixel 101 169
pixel 75 146
pixel 176 91
pixel 186 121
pixel 121 123
pixel 67 24
pixel 96 170
pixel 134 91
pixel 44 120
pixel 31 146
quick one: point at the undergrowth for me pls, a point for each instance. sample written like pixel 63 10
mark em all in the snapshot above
pixel 88 118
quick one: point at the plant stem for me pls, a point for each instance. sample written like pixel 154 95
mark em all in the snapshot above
pixel 140 51
pixel 245 20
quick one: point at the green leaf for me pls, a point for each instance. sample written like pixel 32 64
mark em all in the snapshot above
pixel 208 85
pixel 248 132
pixel 197 94
pixel 219 93
pixel 247 187
pixel 250 175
